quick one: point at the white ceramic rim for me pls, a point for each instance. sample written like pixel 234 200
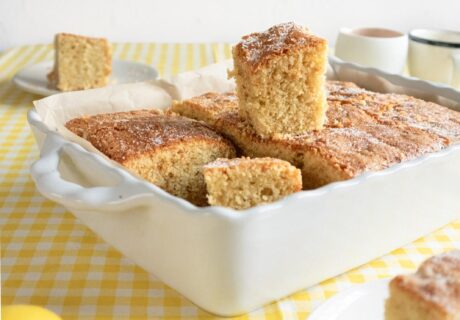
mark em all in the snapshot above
pixel 35 121
pixel 428 36
pixel 333 308
pixel 352 33
pixel 114 78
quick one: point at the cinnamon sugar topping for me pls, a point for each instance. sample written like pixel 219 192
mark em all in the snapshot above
pixel 437 281
pixel 124 135
pixel 258 47
pixel 364 131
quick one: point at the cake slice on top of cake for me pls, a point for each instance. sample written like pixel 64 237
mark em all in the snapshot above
pixel 280 76
pixel 80 62
pixel 352 141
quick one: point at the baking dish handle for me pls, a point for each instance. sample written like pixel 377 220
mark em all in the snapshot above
pixel 49 181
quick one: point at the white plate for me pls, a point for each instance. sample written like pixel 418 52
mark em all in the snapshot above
pixel 360 302
pixel 33 78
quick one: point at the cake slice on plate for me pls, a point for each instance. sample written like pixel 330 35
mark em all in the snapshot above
pixel 432 293
pixel 80 62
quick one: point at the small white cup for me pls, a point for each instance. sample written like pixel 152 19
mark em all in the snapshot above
pixel 435 55
pixel 373 47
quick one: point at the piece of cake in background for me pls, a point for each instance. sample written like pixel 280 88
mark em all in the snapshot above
pixel 432 293
pixel 164 148
pixel 280 80
pixel 80 62
pixel 242 183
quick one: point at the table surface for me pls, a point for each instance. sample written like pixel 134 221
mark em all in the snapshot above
pixel 49 258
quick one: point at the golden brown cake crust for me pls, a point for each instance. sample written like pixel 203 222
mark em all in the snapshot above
pixel 80 37
pixel 436 283
pixel 353 140
pixel 125 135
pixel 83 125
pixel 350 150
pixel 209 105
pixel 443 265
pixel 164 148
pixel 259 47
pixel 246 162
pixel 426 116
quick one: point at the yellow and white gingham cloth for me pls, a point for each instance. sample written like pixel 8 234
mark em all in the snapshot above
pixel 49 258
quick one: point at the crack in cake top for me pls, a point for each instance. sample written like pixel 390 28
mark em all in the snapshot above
pixel 259 47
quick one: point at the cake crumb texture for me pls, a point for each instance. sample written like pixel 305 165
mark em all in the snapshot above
pixel 432 293
pixel 80 62
pixel 164 148
pixel 364 131
pixel 280 76
pixel 242 183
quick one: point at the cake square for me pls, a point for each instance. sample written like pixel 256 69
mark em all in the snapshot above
pixel 80 62
pixel 352 141
pixel 332 154
pixel 391 107
pixel 280 76
pixel 164 148
pixel 242 183
pixel 432 293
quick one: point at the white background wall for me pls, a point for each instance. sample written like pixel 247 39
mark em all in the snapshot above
pixel 36 21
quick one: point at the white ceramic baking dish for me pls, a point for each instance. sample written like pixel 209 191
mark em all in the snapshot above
pixel 230 262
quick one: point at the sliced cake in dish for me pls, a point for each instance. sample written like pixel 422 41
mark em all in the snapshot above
pixel 353 140
pixel 163 148
pixel 242 183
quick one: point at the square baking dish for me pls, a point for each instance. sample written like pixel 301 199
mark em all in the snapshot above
pixel 230 262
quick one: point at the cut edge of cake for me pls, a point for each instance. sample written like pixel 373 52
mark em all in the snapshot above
pixel 280 80
pixel 352 142
pixel 80 62
pixel 163 148
pixel 242 183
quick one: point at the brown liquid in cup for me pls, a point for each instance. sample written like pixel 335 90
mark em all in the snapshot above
pixel 377 33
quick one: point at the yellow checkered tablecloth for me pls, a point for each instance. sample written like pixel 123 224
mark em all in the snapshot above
pixel 49 258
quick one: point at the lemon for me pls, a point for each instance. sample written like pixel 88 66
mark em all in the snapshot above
pixel 27 312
